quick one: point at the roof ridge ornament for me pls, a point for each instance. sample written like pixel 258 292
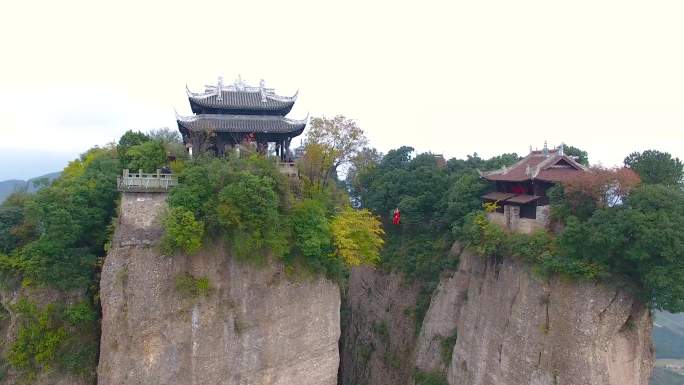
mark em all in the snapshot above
pixel 219 89
pixel 240 84
pixel 262 85
pixel 546 149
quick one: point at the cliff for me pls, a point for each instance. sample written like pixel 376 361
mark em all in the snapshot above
pixel 495 323
pixel 253 326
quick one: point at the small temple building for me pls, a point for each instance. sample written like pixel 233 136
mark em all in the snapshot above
pixel 228 115
pixel 522 204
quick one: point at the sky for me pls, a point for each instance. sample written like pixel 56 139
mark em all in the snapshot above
pixel 450 77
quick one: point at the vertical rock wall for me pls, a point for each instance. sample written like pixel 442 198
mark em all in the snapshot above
pixel 493 322
pixel 514 328
pixel 256 326
pixel 379 331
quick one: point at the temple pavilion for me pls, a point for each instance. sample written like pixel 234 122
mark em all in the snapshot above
pixel 522 204
pixel 226 115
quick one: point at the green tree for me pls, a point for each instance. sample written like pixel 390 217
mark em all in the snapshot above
pixel 129 139
pixel 182 231
pixel 249 210
pixel 641 240
pixel 581 156
pixel 148 156
pixel 655 167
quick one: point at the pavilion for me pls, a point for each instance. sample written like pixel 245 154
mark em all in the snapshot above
pixel 228 115
pixel 520 190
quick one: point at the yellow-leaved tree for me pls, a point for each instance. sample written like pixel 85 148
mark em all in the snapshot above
pixel 357 235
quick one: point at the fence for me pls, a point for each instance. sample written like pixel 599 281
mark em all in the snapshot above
pixel 141 182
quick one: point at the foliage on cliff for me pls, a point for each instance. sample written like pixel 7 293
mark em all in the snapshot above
pixel 54 337
pixel 432 197
pixel 56 235
pixel 55 238
pixel 259 212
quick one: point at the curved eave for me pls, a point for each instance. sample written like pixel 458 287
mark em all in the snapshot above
pixel 242 123
pixel 200 106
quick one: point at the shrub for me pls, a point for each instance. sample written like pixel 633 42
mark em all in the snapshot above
pixel 54 338
pixel 182 232
pixel 430 378
pixel 447 347
pixel 192 287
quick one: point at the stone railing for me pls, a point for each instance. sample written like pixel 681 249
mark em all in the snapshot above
pixel 289 169
pixel 141 182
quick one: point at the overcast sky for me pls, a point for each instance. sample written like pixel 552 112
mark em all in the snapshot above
pixel 452 77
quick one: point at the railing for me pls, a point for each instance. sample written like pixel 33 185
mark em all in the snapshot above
pixel 289 169
pixel 141 182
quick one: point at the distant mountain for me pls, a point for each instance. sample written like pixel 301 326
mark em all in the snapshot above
pixel 668 335
pixel 7 187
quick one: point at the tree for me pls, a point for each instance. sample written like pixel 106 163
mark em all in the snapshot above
pixel 129 139
pixel 312 230
pixel 171 140
pixel 148 156
pixel 362 165
pixel 357 236
pixel 641 239
pixel 598 188
pixel 581 156
pixel 655 167
pixel 340 140
pixel 182 231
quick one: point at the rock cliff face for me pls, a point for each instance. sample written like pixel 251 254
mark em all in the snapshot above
pixel 495 323
pixel 379 329
pixel 255 326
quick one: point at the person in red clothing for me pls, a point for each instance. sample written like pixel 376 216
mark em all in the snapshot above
pixel 396 218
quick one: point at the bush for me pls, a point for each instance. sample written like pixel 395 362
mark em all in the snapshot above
pixel 192 287
pixel 182 232
pixel 54 338
pixel 430 378
pixel 447 347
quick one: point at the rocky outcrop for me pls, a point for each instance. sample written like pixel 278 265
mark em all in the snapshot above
pixel 493 322
pixel 514 328
pixel 379 329
pixel 255 325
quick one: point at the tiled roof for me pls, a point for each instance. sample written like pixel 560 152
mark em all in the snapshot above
pixel 551 165
pixel 497 196
pixel 247 100
pixel 522 199
pixel 239 96
pixel 242 123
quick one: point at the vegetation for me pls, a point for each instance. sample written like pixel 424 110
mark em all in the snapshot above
pixel 57 237
pixel 432 199
pixel 446 347
pixel 655 167
pixel 430 378
pixel 189 286
pixel 183 231
pixel 54 337
pixel 258 212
